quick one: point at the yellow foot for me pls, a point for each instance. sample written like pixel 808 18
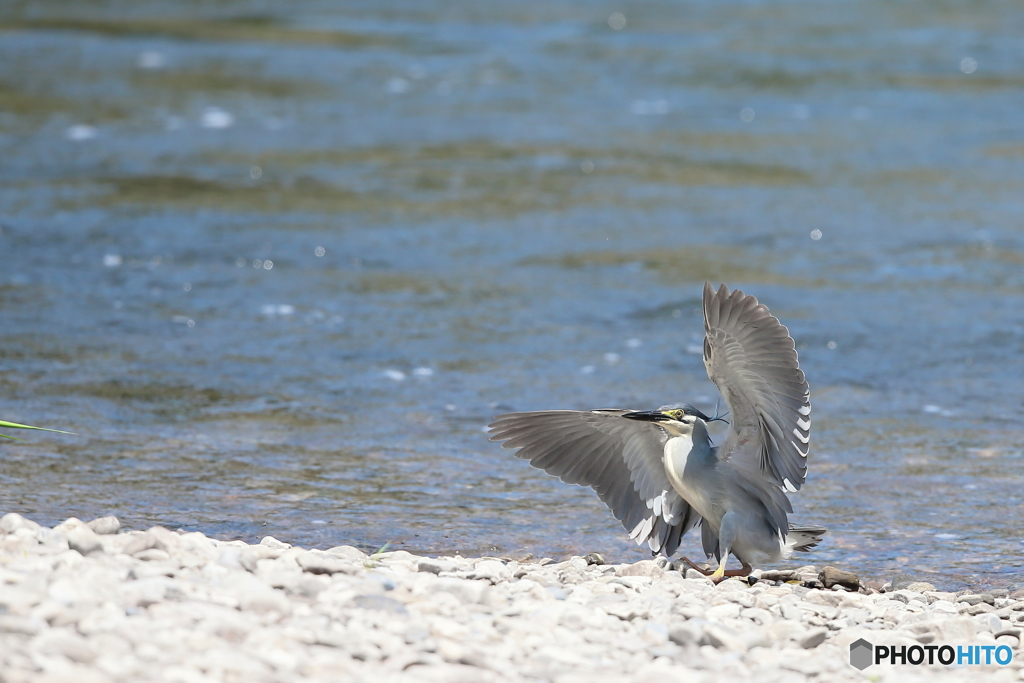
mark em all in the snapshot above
pixel 721 573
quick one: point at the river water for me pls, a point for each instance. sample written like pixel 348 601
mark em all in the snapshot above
pixel 278 266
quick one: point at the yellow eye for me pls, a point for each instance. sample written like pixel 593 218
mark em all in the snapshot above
pixel 677 414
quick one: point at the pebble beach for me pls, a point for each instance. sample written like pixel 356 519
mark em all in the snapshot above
pixel 92 602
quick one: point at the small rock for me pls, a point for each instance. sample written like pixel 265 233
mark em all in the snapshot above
pixel 84 540
pixel 315 563
pixel 969 599
pixel 813 639
pixel 594 559
pixel 692 573
pixel 273 543
pixel 980 608
pixel 12 521
pixel 105 525
pixel 722 638
pixel 491 570
pixel 901 581
pixel 156 537
pixel 435 566
pixel 830 576
pixel 728 610
pixel 933 596
pixel 920 586
pixel 68 525
pixel 944 607
pixel 347 552
pixel 989 622
pixel 907 596
pixel 685 634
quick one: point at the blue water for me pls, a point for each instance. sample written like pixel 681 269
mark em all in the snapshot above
pixel 278 267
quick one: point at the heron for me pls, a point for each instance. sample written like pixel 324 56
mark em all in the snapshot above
pixel 658 470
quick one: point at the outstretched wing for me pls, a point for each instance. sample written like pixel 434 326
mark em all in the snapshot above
pixel 621 459
pixel 750 355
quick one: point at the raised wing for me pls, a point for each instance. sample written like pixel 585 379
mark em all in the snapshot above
pixel 621 459
pixel 750 355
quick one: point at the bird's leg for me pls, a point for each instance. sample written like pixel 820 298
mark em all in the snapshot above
pixel 688 561
pixel 719 574
pixel 742 571
pixel 722 573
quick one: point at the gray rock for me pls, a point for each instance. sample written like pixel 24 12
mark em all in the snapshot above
pixel 813 638
pixel 969 599
pixel 594 559
pixel 436 566
pixel 830 576
pixel 105 525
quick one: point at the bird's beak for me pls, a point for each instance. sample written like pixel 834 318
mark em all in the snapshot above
pixel 647 416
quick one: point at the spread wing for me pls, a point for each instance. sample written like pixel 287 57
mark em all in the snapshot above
pixel 750 355
pixel 621 459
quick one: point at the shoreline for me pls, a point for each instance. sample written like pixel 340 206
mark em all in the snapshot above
pixel 83 601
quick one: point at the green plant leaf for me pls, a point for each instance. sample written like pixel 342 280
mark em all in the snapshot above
pixel 15 425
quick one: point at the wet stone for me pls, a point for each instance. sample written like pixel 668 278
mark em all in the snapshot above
pixel 830 576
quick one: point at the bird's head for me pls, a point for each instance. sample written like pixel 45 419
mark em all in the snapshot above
pixel 676 418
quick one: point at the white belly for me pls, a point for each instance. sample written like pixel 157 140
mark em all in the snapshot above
pixel 677 451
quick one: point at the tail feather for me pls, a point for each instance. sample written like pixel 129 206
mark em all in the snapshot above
pixel 804 537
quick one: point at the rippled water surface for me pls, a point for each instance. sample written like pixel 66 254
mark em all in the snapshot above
pixel 279 265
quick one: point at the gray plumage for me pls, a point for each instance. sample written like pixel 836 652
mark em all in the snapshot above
pixel 658 471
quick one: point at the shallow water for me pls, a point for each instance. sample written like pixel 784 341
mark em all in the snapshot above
pixel 278 270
